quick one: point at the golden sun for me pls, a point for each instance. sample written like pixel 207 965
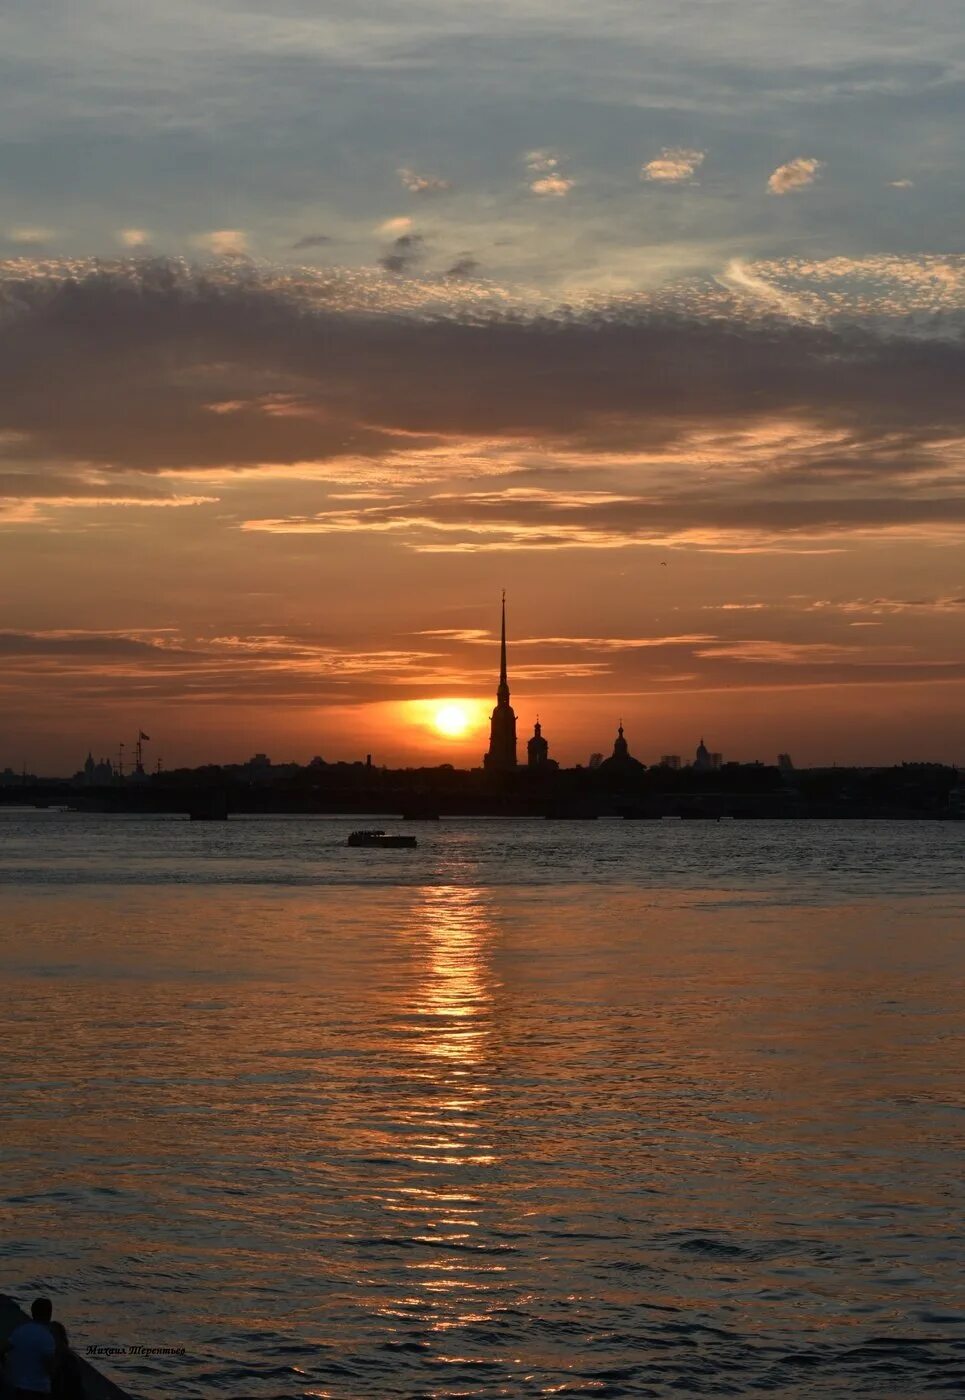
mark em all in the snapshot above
pixel 453 718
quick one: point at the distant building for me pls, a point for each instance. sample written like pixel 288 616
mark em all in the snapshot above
pixel 784 763
pixel 670 760
pixel 595 760
pixel 705 761
pixel 621 762
pixel 10 778
pixel 501 755
pixel 538 750
pixel 258 769
pixel 97 773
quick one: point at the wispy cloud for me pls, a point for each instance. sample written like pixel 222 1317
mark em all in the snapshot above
pixel 406 251
pixel 870 286
pixel 779 652
pixel 473 636
pixel 224 242
pixel 554 185
pixel 794 175
pixel 270 667
pixel 687 639
pixel 547 177
pixel 770 294
pixel 733 607
pixel 674 165
pixel 543 520
pixel 469 635
pixel 133 237
pixel 311 240
pixel 464 266
pixel 153 644
pixel 418 183
pixel 46 509
pixel 30 236
pixel 947 603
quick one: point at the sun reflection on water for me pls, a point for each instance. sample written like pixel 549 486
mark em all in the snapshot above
pixel 456 993
pixel 449 1278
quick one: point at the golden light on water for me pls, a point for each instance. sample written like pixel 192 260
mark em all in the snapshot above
pixel 457 992
pixel 449 1125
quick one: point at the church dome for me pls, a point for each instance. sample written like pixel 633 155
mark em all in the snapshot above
pixel 621 761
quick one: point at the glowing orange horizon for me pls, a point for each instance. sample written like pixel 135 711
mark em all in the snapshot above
pixel 454 718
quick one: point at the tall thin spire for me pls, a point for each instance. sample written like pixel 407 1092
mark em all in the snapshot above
pixel 502 694
pixel 502 735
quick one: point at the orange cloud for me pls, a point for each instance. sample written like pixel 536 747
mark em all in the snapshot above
pixel 794 175
pixel 674 165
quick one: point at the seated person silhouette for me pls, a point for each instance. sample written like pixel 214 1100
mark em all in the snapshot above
pixel 29 1354
pixel 68 1379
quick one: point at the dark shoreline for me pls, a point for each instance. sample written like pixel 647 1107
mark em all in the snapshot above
pixel 743 791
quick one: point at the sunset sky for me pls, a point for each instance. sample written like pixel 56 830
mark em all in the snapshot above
pixel 323 321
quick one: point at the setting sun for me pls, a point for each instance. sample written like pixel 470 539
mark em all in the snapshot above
pixel 453 718
pixel 447 717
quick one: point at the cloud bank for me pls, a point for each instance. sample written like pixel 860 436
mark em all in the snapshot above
pixel 709 423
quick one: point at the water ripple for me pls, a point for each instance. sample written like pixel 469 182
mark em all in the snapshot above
pixel 689 1126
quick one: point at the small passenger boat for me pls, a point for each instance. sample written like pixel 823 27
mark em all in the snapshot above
pixel 380 839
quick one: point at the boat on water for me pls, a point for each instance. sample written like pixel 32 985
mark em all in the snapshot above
pixel 381 840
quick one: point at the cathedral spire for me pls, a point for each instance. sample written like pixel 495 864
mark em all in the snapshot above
pixel 502 736
pixel 502 694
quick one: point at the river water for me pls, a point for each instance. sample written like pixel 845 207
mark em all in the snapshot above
pixel 589 1108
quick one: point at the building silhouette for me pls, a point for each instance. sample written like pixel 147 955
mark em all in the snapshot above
pixel 501 756
pixel 621 762
pixel 538 751
pixel 98 772
pixel 705 761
